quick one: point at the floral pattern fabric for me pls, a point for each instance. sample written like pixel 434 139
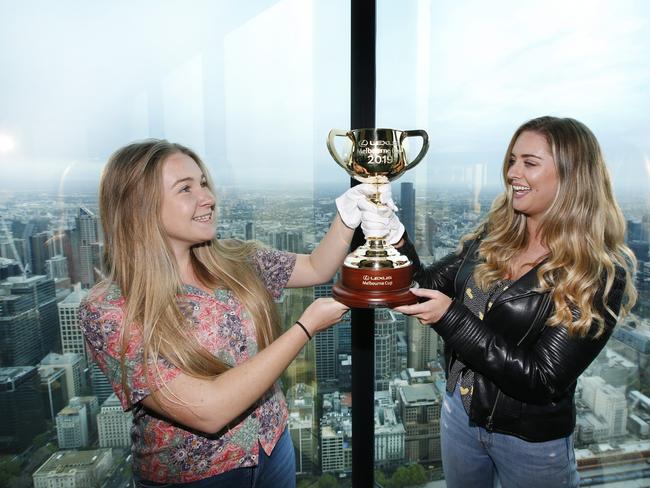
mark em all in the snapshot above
pixel 167 453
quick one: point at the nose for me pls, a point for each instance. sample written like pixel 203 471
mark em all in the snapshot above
pixel 514 171
pixel 207 198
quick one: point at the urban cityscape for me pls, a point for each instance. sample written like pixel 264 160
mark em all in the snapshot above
pixel 64 428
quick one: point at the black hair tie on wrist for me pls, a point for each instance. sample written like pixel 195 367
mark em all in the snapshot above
pixel 304 328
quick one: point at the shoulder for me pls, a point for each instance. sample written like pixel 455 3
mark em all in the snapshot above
pixel 103 306
pixel 104 295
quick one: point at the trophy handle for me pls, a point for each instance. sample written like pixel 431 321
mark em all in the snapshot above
pixel 332 148
pixel 423 150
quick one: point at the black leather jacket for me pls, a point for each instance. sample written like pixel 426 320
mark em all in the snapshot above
pixel 525 371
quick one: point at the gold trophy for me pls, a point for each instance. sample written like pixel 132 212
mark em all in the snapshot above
pixel 376 274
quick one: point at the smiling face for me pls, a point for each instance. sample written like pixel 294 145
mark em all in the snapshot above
pixel 532 175
pixel 187 210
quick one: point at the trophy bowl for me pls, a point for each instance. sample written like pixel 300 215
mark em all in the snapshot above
pixel 376 274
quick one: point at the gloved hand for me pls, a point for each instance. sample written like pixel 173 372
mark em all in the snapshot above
pixel 381 221
pixel 349 204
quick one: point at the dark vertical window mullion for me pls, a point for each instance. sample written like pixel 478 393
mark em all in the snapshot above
pixel 362 114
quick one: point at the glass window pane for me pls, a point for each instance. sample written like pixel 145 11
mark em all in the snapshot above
pixel 253 87
pixel 470 73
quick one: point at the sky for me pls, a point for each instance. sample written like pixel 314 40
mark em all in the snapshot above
pixel 256 86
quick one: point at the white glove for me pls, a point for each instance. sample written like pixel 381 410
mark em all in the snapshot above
pixel 348 204
pixel 381 221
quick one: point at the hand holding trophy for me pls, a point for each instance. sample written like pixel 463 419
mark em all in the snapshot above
pixel 376 274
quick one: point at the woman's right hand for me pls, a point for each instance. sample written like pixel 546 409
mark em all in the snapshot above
pixel 322 314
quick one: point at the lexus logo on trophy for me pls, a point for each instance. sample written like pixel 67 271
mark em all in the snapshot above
pixel 376 274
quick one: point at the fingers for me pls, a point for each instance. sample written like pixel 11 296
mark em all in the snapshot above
pixel 425 292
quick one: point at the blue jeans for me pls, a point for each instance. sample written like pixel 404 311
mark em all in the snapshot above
pixel 474 457
pixel 275 471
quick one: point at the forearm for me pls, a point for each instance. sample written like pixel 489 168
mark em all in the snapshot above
pixel 209 405
pixel 319 266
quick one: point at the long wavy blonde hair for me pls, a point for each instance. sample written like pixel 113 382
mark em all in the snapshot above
pixel 584 230
pixel 140 261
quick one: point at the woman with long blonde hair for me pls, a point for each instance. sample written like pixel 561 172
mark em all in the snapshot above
pixel 524 306
pixel 185 325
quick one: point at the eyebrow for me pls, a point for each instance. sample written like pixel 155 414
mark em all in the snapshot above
pixel 527 156
pixel 187 178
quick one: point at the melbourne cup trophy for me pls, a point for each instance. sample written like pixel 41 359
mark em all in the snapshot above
pixel 375 274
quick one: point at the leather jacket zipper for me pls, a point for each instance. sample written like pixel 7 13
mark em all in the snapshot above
pixel 488 426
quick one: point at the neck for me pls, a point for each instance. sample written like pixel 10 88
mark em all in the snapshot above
pixel 184 263
pixel 535 243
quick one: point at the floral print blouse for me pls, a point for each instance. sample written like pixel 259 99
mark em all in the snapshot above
pixel 164 452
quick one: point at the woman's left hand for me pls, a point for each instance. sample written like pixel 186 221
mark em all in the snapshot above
pixel 429 311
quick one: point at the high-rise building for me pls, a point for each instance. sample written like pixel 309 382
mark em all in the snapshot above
pixel 72 338
pixel 422 344
pixel 385 347
pixel 325 343
pixel 249 233
pixel 42 293
pixel 291 240
pixel 40 246
pixel 300 401
pixel 389 433
pixel 20 338
pixel 99 384
pixel 56 267
pixel 53 389
pixel 9 267
pixel 610 404
pixel 21 404
pixel 114 424
pixel 87 227
pixel 74 469
pixel 92 409
pixel 420 412
pixel 407 208
pixel 73 365
pixel 336 433
pixel 72 427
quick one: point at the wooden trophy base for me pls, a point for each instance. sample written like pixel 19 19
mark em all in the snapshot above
pixel 375 288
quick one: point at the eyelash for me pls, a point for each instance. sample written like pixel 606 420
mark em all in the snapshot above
pixel 527 163
pixel 187 188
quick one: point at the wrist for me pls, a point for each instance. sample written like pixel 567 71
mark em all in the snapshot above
pixel 305 330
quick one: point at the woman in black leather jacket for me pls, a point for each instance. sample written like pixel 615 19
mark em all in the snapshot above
pixel 524 307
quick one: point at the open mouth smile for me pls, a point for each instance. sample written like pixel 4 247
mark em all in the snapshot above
pixel 203 218
pixel 520 190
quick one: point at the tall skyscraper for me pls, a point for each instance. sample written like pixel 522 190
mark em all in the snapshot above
pixel 422 344
pixel 72 339
pixel 23 414
pixel 300 401
pixel 407 208
pixel 385 347
pixel 99 384
pixel 20 339
pixel 73 365
pixel 41 291
pixel 40 246
pixel 87 227
pixel 325 344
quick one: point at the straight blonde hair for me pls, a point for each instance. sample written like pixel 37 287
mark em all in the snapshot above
pixel 584 231
pixel 140 261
